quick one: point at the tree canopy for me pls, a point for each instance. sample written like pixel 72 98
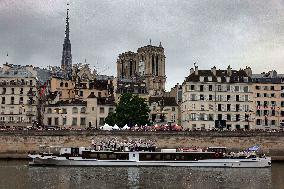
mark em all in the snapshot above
pixel 130 110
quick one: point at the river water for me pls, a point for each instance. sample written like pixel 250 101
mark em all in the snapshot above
pixel 17 174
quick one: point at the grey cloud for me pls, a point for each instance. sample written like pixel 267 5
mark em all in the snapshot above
pixel 218 33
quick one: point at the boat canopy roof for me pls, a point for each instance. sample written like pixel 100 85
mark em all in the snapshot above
pixel 214 147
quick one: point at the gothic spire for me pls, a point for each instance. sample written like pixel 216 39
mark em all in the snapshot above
pixel 66 62
pixel 67 24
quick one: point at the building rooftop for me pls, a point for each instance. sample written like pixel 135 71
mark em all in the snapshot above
pixel 106 101
pixel 234 75
pixel 73 102
pixel 164 101
pixel 269 77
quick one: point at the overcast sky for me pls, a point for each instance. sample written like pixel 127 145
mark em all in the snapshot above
pixel 214 32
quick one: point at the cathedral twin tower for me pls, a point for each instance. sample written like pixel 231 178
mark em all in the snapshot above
pixel 147 65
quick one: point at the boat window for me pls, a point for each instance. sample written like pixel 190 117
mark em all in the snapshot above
pixel 122 156
pixel 102 156
pixel 112 156
pixel 133 155
pixel 157 157
pixel 148 156
pixel 167 157
pixel 94 155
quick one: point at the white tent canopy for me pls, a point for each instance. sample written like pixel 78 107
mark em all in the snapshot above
pixel 115 127
pixel 106 127
pixel 125 127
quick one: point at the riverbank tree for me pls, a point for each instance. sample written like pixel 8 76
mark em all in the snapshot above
pixel 130 110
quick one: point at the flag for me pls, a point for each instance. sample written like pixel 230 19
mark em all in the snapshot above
pixel 254 148
pixel 43 89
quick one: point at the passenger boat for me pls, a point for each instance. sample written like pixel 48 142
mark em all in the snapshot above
pixel 212 157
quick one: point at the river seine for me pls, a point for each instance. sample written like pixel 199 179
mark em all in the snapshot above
pixel 17 174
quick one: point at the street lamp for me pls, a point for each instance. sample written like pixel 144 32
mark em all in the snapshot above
pixel 162 110
pixel 59 111
pixel 279 117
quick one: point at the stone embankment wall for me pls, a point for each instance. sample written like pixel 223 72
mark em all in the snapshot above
pixel 17 144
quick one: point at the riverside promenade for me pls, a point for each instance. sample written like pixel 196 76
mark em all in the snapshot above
pixel 17 144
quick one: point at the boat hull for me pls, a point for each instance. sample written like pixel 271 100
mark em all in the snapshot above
pixel 234 163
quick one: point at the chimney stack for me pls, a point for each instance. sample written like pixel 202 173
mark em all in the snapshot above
pixel 196 70
pixel 213 70
pixel 248 71
pixel 229 70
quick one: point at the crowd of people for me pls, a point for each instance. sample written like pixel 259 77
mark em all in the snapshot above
pixel 243 154
pixel 153 128
pixel 157 128
pixel 114 144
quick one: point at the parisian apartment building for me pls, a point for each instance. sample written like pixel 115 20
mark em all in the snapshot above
pixel 268 93
pixel 217 98
pixel 232 100
pixel 20 88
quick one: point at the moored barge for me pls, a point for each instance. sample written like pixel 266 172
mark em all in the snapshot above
pixel 212 157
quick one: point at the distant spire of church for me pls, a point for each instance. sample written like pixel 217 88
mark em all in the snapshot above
pixel 67 24
pixel 66 62
pixel 7 57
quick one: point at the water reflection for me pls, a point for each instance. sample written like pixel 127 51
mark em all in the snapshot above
pixel 16 174
pixel 133 177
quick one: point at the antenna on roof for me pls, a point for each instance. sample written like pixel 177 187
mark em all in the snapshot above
pixel 7 56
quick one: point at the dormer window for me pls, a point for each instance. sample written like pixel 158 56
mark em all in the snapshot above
pixel 201 78
pixel 227 79
pixel 218 79
pixel 209 78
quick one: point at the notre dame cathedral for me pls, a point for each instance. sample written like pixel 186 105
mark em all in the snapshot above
pixel 144 70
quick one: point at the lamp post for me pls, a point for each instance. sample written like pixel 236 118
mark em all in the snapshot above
pixel 162 110
pixel 59 111
pixel 247 116
pixel 279 117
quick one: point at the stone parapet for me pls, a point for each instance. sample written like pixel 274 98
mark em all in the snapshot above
pixel 15 144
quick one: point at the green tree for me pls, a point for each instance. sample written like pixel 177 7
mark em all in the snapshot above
pixel 130 110
pixel 111 119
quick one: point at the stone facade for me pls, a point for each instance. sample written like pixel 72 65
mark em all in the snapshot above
pixel 83 90
pixel 147 65
pixel 176 92
pixel 66 114
pixel 217 98
pixel 65 88
pixel 19 93
pixel 163 110
pixel 130 86
pixel 268 93
pixel 76 113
